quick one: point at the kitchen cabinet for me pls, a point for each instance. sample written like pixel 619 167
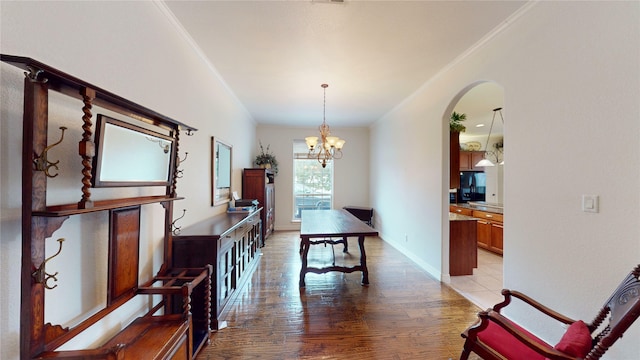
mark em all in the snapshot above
pixel 490 230
pixel 460 210
pixel 463 248
pixel 468 160
pixel 454 160
pixel 496 244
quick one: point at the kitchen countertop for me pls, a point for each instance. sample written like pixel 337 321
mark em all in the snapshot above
pixel 459 217
pixel 482 206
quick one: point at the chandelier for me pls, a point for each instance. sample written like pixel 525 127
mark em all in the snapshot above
pixel 330 146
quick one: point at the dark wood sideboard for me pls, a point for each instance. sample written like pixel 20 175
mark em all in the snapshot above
pixel 229 241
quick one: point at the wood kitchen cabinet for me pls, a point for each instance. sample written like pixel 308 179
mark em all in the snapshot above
pixel 463 248
pixel 484 234
pixel 454 160
pixel 490 230
pixel 259 184
pixel 468 160
pixel 496 244
pixel 460 210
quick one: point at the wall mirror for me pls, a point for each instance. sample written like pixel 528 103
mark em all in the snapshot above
pixel 149 155
pixel 220 171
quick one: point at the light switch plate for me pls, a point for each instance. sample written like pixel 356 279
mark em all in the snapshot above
pixel 590 203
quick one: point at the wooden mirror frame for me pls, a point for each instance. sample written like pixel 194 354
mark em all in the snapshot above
pixel 148 162
pixel 220 194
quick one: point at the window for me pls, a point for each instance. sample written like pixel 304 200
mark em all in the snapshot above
pixel 312 185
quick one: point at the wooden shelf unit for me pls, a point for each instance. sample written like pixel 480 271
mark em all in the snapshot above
pixel 171 332
pixel 103 205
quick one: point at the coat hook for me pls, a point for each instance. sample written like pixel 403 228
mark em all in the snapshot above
pixel 42 163
pixel 176 229
pixel 41 276
pixel 180 161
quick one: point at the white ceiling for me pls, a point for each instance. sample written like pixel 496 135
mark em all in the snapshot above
pixel 478 104
pixel 274 55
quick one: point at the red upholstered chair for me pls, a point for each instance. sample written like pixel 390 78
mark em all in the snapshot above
pixel 494 336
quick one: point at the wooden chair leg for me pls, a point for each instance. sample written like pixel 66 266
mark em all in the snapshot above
pixel 465 354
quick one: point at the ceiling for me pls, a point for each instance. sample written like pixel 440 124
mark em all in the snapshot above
pixel 478 104
pixel 274 55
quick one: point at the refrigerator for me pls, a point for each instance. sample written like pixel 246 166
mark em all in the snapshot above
pixel 473 186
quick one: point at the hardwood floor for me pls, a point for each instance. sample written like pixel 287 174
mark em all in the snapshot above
pixel 403 314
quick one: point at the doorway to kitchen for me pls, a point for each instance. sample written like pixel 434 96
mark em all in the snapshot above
pixel 478 109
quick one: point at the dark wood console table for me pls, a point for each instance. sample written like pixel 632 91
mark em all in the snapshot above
pixel 363 213
pixel 323 224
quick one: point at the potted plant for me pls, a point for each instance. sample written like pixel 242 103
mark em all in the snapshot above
pixel 266 159
pixel 455 122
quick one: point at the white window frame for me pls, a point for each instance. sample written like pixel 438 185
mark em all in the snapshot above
pixel 305 196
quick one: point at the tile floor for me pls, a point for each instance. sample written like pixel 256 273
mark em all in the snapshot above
pixel 484 286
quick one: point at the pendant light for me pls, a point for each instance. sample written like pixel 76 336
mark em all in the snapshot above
pixel 486 162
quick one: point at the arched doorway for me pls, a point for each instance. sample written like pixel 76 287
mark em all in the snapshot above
pixel 480 188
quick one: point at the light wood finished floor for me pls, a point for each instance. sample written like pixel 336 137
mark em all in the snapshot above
pixel 403 314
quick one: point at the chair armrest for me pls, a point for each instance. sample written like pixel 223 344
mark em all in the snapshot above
pixel 548 352
pixel 533 303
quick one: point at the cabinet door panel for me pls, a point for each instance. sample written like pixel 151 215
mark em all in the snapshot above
pixel 484 234
pixel 465 161
pixel 475 157
pixel 496 238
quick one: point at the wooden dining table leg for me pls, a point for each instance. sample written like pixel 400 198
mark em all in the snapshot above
pixel 363 261
pixel 304 248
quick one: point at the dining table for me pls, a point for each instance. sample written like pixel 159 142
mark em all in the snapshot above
pixel 333 227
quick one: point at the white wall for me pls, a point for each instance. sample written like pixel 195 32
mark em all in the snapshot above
pixel 351 181
pixel 572 83
pixel 133 50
